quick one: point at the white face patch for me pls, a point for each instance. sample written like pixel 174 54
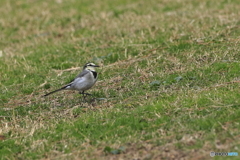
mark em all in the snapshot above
pixel 91 64
pixel 91 68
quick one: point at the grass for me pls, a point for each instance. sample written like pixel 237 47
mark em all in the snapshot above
pixel 168 86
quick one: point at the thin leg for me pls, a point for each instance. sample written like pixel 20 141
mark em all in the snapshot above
pixel 88 94
pixel 81 92
pixel 84 95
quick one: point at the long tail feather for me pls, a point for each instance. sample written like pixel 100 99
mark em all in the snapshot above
pixel 52 92
pixel 56 90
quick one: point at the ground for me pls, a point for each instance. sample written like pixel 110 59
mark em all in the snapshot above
pixel 168 84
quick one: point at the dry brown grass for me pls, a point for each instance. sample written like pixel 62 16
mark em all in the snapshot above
pixel 147 38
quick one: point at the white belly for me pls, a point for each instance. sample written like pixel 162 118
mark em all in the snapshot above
pixel 83 83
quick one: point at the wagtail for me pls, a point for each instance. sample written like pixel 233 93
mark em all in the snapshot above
pixel 84 81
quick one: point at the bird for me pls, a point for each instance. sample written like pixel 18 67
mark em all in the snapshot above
pixel 84 80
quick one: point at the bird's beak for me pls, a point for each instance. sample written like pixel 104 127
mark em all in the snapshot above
pixel 96 66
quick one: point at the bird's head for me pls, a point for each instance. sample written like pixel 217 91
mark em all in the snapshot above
pixel 90 66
